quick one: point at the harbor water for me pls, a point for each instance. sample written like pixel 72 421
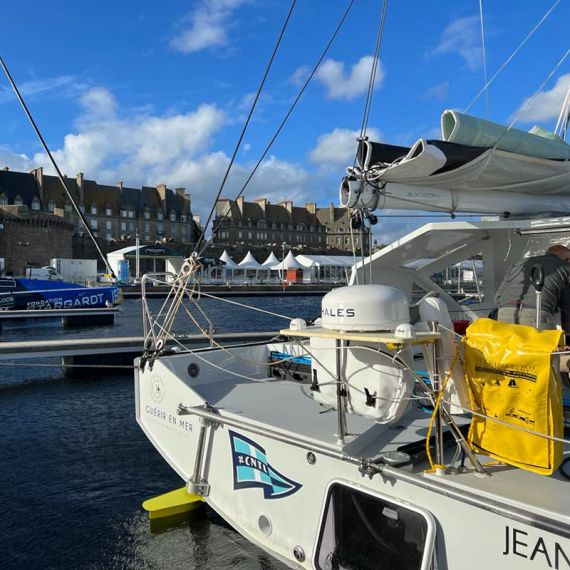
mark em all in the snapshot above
pixel 75 467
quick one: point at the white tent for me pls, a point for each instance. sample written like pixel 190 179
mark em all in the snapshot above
pixel 268 264
pixel 288 263
pixel 332 268
pixel 230 266
pixel 249 262
pixel 251 265
pixel 230 263
pixel 270 261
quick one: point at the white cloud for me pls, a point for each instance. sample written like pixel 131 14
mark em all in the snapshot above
pixel 346 85
pixel 98 102
pixel 110 144
pixel 339 146
pixel 547 104
pixel 206 26
pixel 66 83
pixel 463 36
pixel 437 92
pixel 299 76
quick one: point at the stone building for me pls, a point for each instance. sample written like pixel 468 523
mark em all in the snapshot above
pixel 259 223
pixel 31 239
pixel 263 225
pixel 337 224
pixel 114 213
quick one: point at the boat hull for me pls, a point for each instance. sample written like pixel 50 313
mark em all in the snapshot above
pixel 30 294
pixel 284 515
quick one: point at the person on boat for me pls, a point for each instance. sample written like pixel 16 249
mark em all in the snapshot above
pixel 516 296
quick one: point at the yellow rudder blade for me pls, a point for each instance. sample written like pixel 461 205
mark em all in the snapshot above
pixel 172 503
pixel 511 376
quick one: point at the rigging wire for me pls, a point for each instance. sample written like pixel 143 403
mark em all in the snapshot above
pixel 373 71
pixel 56 167
pixel 284 120
pixel 246 124
pixel 484 56
pixel 510 58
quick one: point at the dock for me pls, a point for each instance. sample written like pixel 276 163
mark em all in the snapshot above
pixel 68 317
pixel 113 351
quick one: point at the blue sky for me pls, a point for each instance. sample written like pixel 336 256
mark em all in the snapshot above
pixel 148 92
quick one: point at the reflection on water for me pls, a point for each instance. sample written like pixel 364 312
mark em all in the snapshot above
pixel 75 467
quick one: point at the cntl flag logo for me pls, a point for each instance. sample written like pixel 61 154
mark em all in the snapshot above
pixel 251 469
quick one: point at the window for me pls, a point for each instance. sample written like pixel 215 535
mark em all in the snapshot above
pixel 108 225
pixel 131 226
pixel 18 201
pixel 160 229
pixel 183 218
pixel 146 214
pixel 147 228
pixel 123 226
pixel 185 231
pixel 160 216
pixel 360 530
pixel 94 223
pixel 172 216
pixel 4 200
pixel 67 207
pixel 108 237
pixel 249 235
pixel 36 205
pixel 51 206
pixel 94 209
pixel 240 235
pixel 131 213
pixel 108 211
pixel 147 237
pixel 123 213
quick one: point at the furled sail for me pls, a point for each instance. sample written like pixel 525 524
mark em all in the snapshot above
pixel 481 177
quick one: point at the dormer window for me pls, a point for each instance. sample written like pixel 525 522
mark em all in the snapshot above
pixel 93 210
pixel 123 213
pixel 146 213
pixel 67 207
pixel 160 216
pixel 108 211
pixel 18 201
pixel 36 204
pixel 131 213
pixel 172 216
pixel 3 200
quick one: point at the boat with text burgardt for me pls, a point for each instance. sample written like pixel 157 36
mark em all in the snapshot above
pixel 28 294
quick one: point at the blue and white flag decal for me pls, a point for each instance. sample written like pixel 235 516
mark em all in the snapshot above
pixel 251 469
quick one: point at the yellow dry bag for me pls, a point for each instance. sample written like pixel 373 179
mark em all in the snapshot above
pixel 511 377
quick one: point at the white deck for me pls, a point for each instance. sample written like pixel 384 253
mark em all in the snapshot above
pixel 287 407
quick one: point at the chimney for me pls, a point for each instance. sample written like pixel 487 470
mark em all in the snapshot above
pixel 162 190
pixel 6 169
pixel 263 203
pixel 331 213
pixel 287 204
pixel 39 176
pixel 311 207
pixel 181 192
pixel 81 187
pixel 120 184
pixel 240 204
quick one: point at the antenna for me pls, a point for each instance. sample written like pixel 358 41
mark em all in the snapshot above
pixel 56 167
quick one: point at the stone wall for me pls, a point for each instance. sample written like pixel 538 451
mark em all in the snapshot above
pixel 31 239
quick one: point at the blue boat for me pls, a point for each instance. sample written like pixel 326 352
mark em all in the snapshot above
pixel 26 294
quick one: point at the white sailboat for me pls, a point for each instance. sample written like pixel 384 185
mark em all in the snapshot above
pixel 343 444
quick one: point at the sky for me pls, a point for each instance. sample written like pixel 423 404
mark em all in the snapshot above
pixel 148 93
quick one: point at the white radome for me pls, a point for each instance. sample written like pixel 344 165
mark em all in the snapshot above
pixel 364 308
